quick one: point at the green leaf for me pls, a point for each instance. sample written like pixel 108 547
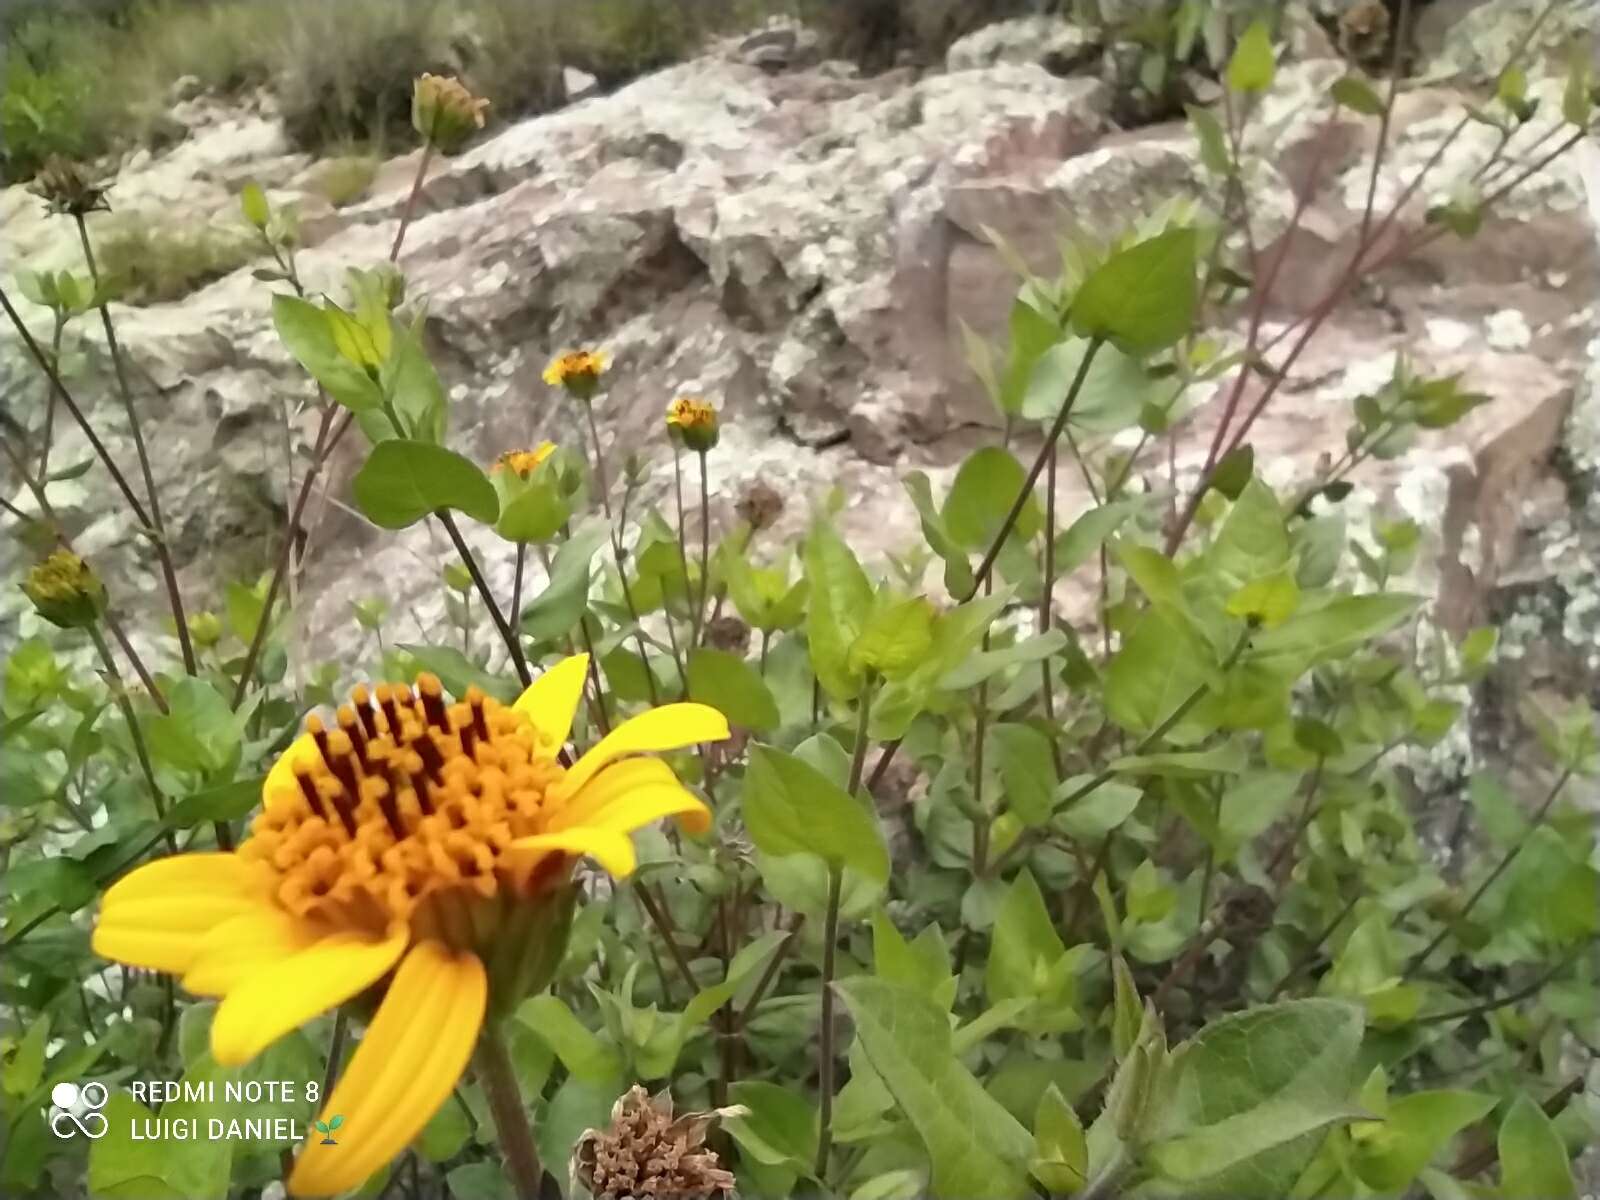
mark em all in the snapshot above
pixel 1234 471
pixel 923 963
pixel 1267 602
pixel 26 1067
pixel 780 1128
pixel 1084 537
pixel 792 808
pixel 1249 1092
pixel 1027 959
pixel 1253 541
pixel 412 385
pixel 1027 771
pixel 441 1138
pixel 1142 298
pixel 894 639
pixel 580 1051
pixel 308 333
pixel 1096 813
pixel 978 1151
pixel 1389 1154
pixel 958 577
pixel 554 611
pixel 1533 1158
pixel 1114 392
pixel 1253 63
pixel 1333 628
pixel 403 481
pixel 458 672
pixel 200 731
pixel 984 490
pixel 985 664
pixel 122 1168
pixel 225 802
pixel 1158 667
pixel 731 686
pixel 1213 142
pixel 1356 94
pixel 841 597
pixel 253 204
pixel 1061 1151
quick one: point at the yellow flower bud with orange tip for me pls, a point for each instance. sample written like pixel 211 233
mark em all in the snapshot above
pixel 65 591
pixel 444 112
pixel 692 421
pixel 578 371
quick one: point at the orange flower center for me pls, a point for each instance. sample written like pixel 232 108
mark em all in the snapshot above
pixel 522 462
pixel 408 798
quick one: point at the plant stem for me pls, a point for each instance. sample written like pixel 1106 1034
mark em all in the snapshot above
pixel 1487 1006
pixel 830 940
pixel 157 525
pixel 683 562
pixel 1046 598
pixel 411 201
pixel 512 640
pixel 830 937
pixel 1419 960
pixel 135 734
pixel 768 976
pixel 1026 490
pixel 341 1027
pixel 499 1080
pixel 705 551
pixel 658 918
pixel 599 460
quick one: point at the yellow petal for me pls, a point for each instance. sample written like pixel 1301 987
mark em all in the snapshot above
pixel 280 785
pixel 551 701
pixel 288 992
pixel 642 799
pixel 194 876
pixel 242 945
pixel 165 934
pixel 612 850
pixel 670 727
pixel 405 1067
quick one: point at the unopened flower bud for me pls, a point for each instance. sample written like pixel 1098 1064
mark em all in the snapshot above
pixel 65 591
pixel 444 112
pixel 206 629
pixel 693 422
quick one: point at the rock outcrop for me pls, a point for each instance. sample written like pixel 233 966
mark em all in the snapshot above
pixel 805 244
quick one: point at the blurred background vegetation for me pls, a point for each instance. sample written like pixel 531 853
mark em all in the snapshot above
pixel 87 77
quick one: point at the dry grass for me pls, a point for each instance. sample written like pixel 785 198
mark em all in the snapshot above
pixel 152 266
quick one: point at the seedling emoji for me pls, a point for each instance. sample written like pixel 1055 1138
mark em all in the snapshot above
pixel 326 1128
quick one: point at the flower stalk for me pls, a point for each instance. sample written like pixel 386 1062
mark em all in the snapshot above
pixel 498 1078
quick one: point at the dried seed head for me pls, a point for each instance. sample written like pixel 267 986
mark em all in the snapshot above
pixel 760 505
pixel 728 633
pixel 64 185
pixel 644 1151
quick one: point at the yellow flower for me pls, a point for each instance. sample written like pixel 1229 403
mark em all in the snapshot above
pixel 578 371
pixel 423 843
pixel 65 591
pixel 693 421
pixel 522 462
pixel 444 112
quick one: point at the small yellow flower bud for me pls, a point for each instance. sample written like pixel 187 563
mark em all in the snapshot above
pixel 206 629
pixel 522 462
pixel 693 422
pixel 578 371
pixel 444 112
pixel 65 591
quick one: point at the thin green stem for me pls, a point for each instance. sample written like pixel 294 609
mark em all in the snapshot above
pixel 705 551
pixel 341 1029
pixel 1026 490
pixel 830 946
pixel 1420 959
pixel 135 734
pixel 158 529
pixel 498 1077
pixel 599 459
pixel 512 640
pixel 411 201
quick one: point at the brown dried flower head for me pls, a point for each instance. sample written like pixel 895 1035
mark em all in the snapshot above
pixel 64 185
pixel 760 505
pixel 646 1152
pixel 728 633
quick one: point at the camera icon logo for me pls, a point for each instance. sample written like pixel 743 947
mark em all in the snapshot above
pixel 76 1110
